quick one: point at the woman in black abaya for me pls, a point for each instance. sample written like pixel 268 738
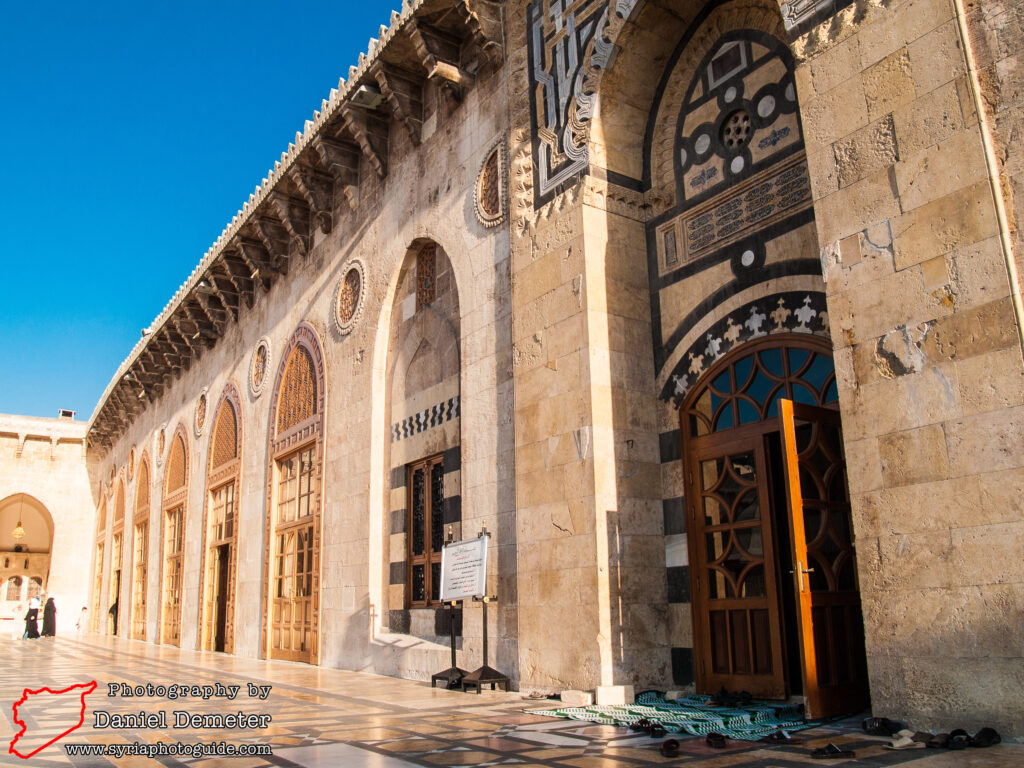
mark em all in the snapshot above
pixel 49 618
pixel 31 625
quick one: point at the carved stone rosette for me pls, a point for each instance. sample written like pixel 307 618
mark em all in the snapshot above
pixel 348 297
pixel 258 366
pixel 490 195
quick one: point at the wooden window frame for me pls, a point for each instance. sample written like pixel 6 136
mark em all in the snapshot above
pixel 429 557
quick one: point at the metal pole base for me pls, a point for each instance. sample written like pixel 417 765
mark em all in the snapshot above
pixel 452 677
pixel 483 676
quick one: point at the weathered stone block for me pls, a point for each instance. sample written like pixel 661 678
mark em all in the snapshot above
pixel 914 456
pixel 986 442
pixel 957 219
pixel 614 695
pixel 888 84
pixel 574 698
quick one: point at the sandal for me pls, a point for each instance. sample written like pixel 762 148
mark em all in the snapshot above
pixel 939 741
pixel 959 739
pixel 643 725
pixel 715 740
pixel 670 748
pixel 881 726
pixel 780 737
pixel 986 737
pixel 831 752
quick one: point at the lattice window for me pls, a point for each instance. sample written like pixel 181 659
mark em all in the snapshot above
pixel 35 587
pixel 176 466
pixel 13 590
pixel 142 490
pixel 749 388
pixel 225 438
pixel 426 530
pixel 119 505
pixel 102 524
pixel 426 268
pixel 297 401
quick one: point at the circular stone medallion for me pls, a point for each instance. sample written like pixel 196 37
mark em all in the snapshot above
pixel 348 302
pixel 258 366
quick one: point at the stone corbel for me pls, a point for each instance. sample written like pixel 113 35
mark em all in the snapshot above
pixel 404 93
pixel 483 18
pixel 440 55
pixel 318 189
pixel 276 241
pixel 370 130
pixel 294 215
pixel 341 160
pixel 258 260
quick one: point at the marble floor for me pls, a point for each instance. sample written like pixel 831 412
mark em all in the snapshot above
pixel 329 717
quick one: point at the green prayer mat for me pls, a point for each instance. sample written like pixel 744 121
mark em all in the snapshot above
pixel 693 715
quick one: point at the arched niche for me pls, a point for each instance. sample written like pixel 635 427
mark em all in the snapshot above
pixel 423 384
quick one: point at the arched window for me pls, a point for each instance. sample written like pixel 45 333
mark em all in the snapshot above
pixel 220 534
pixel 35 587
pixel 12 592
pixel 291 589
pixel 174 517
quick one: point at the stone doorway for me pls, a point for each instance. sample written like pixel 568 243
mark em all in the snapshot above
pixel 776 602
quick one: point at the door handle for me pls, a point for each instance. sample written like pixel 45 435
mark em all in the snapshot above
pixel 800 573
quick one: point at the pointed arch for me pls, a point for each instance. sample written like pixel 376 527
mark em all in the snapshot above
pixel 172 540
pixel 291 585
pixel 140 550
pixel 218 569
pixel 424 387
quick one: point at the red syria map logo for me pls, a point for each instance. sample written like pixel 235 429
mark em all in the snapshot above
pixel 82 690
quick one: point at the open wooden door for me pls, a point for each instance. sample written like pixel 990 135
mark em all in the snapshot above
pixel 737 636
pixel 831 629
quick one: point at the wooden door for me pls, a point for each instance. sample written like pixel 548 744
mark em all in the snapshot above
pixel 737 636
pixel 292 603
pixel 831 629
pixel 140 581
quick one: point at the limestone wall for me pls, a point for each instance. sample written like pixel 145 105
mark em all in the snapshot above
pixel 45 460
pixel 928 355
pixel 426 196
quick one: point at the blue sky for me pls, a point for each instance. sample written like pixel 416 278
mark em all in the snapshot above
pixel 132 132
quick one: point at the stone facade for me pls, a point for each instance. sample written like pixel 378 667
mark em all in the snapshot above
pixel 45 485
pixel 570 262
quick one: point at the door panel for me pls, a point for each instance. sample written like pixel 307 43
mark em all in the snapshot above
pixel 736 630
pixel 831 632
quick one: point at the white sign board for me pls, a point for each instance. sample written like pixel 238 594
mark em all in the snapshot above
pixel 464 569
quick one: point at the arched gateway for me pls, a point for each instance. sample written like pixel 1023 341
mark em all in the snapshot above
pixel 776 602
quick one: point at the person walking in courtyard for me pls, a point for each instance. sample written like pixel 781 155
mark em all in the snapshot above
pixel 49 618
pixel 80 625
pixel 31 624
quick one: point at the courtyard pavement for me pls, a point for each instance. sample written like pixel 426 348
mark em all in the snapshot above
pixel 329 717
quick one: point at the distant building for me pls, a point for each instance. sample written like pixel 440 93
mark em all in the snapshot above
pixel 709 312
